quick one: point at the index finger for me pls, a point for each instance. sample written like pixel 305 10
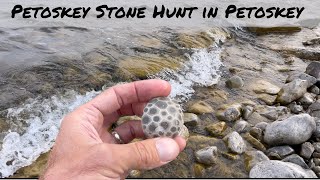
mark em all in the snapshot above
pixel 116 97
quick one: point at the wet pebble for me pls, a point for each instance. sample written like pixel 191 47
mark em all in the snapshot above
pixel 313 69
pixel 292 91
pixel 229 112
pixel 234 82
pixel 296 159
pixel 207 155
pixel 251 158
pixel 235 143
pixel 190 119
pixel 241 126
pixel 200 107
pixel 306 150
pixel 279 152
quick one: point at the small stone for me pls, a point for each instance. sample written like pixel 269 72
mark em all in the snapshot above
pixel 314 109
pixel 230 156
pixel 303 76
pixel 135 173
pixel 279 152
pixel 279 169
pixel 262 86
pixel 316 146
pixel 311 163
pixel 256 118
pixel 271 114
pixel 234 82
pixel 293 130
pixel 313 69
pixel 184 132
pixel 256 133
pixel 261 125
pixel 306 150
pixel 294 108
pixel 251 158
pixel 229 112
pixel 316 155
pixel 200 107
pixel 315 90
pixel 316 161
pixel 296 159
pixel 241 126
pixel 316 169
pixel 216 129
pixel 207 155
pixel 292 91
pixel 190 119
pixel 162 117
pixel 307 99
pixel 268 99
pixel 235 143
pixel 247 111
pixel 198 170
pixel 316 132
pixel 254 142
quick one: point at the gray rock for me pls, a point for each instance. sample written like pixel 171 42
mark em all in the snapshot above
pixel 314 109
pixel 313 69
pixel 235 143
pixel 316 155
pixel 316 169
pixel 234 82
pixel 190 119
pixel 256 133
pixel 296 159
pixel 306 150
pixel 307 99
pixel 267 99
pixel 273 113
pixel 262 86
pixel 316 161
pixel 207 155
pixel 279 152
pixel 311 163
pixel 294 108
pixel 293 130
pixel 241 126
pixel 303 76
pixel 247 111
pixel 251 158
pixel 316 133
pixel 279 169
pixel 261 125
pixel 315 90
pixel 292 91
pixel 229 112
pixel 316 146
pixel 256 118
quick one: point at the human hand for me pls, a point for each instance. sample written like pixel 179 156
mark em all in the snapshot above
pixel 84 149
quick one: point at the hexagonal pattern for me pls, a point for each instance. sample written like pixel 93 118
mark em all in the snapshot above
pixel 162 117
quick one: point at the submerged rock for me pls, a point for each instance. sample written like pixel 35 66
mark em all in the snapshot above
pixel 254 142
pixel 200 107
pixel 251 158
pixel 247 111
pixel 314 109
pixel 241 126
pixel 234 82
pixel 235 143
pixel 293 130
pixel 190 119
pixel 229 112
pixel 261 125
pixel 292 91
pixel 216 129
pixel 303 76
pixel 207 155
pixel 268 99
pixel 279 152
pixel 262 86
pixel 296 159
pixel 279 169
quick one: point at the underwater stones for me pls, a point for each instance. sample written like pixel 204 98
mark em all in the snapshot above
pixel 279 152
pixel 241 126
pixel 251 158
pixel 293 130
pixel 200 107
pixel 216 129
pixel 279 169
pixel 190 119
pixel 262 86
pixel 207 155
pixel 162 117
pixel 292 91
pixel 235 143
pixel 234 82
pixel 229 112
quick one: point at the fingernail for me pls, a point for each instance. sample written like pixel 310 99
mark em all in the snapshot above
pixel 167 148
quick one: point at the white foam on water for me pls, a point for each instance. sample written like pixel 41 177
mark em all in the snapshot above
pixel 43 121
pixel 39 120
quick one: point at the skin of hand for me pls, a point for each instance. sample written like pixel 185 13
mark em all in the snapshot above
pixel 84 148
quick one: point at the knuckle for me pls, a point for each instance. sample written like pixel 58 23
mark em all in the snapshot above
pixel 146 156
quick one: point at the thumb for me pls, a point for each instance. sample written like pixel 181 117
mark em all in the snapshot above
pixel 147 154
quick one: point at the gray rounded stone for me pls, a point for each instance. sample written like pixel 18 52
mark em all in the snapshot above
pixel 296 159
pixel 293 130
pixel 292 91
pixel 279 169
pixel 234 82
pixel 306 150
pixel 207 155
pixel 162 117
pixel 235 143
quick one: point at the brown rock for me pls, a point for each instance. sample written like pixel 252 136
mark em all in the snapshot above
pixel 200 107
pixel 216 129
